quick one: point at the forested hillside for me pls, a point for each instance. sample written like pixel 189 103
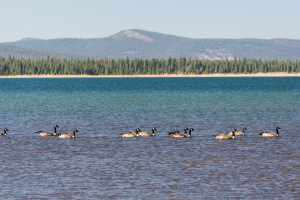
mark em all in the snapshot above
pixel 148 45
pixel 121 66
pixel 20 52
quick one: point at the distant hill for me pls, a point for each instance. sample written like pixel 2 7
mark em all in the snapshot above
pixel 148 45
pixel 29 39
pixel 20 52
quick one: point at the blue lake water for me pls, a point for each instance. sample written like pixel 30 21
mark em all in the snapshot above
pixel 99 163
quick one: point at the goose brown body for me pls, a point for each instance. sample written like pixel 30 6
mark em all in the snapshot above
pixel 225 136
pixel 238 133
pixel 131 134
pixel 48 133
pixel 178 133
pixel 67 135
pixel 147 133
pixel 270 134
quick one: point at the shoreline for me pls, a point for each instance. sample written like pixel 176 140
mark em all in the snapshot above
pixel 278 74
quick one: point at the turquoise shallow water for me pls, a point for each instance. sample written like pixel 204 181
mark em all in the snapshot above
pixel 99 163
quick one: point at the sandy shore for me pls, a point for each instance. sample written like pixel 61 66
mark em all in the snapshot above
pixel 171 75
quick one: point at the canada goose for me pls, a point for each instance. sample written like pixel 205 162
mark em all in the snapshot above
pixel 240 133
pixel 178 132
pixel 230 133
pixel 67 135
pixel 48 133
pixel 225 136
pixel 269 133
pixel 131 134
pixel 237 133
pixel 190 132
pixel 4 132
pixel 147 133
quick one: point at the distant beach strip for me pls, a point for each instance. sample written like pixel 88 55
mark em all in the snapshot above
pixel 156 76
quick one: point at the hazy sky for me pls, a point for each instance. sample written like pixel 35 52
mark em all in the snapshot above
pixel 48 19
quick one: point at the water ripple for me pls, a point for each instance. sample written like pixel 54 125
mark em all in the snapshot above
pixel 98 163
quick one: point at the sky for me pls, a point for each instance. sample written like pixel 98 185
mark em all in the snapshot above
pixel 49 19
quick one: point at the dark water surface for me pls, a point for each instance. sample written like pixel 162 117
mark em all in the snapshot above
pixel 98 163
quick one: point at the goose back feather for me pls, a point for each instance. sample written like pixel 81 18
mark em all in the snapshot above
pixel 147 133
pixel 178 133
pixel 225 136
pixel 270 134
pixel 131 134
pixel 48 133
pixel 67 135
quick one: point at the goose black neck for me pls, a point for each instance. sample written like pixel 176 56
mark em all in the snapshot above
pixel 54 129
pixel 190 132
pixel 137 131
pixel 243 130
pixel 184 131
pixel 277 131
pixel 74 133
pixel 4 131
pixel 152 131
pixel 233 133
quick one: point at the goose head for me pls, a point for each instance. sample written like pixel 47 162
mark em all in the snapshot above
pixel 277 130
pixel 153 129
pixel 75 130
pixel 5 129
pixel 185 129
pixel 56 126
pixel 190 132
pixel 137 130
pixel 233 132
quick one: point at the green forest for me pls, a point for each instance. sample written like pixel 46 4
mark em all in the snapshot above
pixel 135 66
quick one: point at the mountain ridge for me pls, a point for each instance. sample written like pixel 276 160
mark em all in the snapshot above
pixel 29 39
pixel 147 45
pixel 19 52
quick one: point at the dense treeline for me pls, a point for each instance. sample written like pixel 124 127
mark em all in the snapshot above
pixel 20 52
pixel 12 66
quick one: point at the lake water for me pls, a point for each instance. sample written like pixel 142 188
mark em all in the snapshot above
pixel 99 163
